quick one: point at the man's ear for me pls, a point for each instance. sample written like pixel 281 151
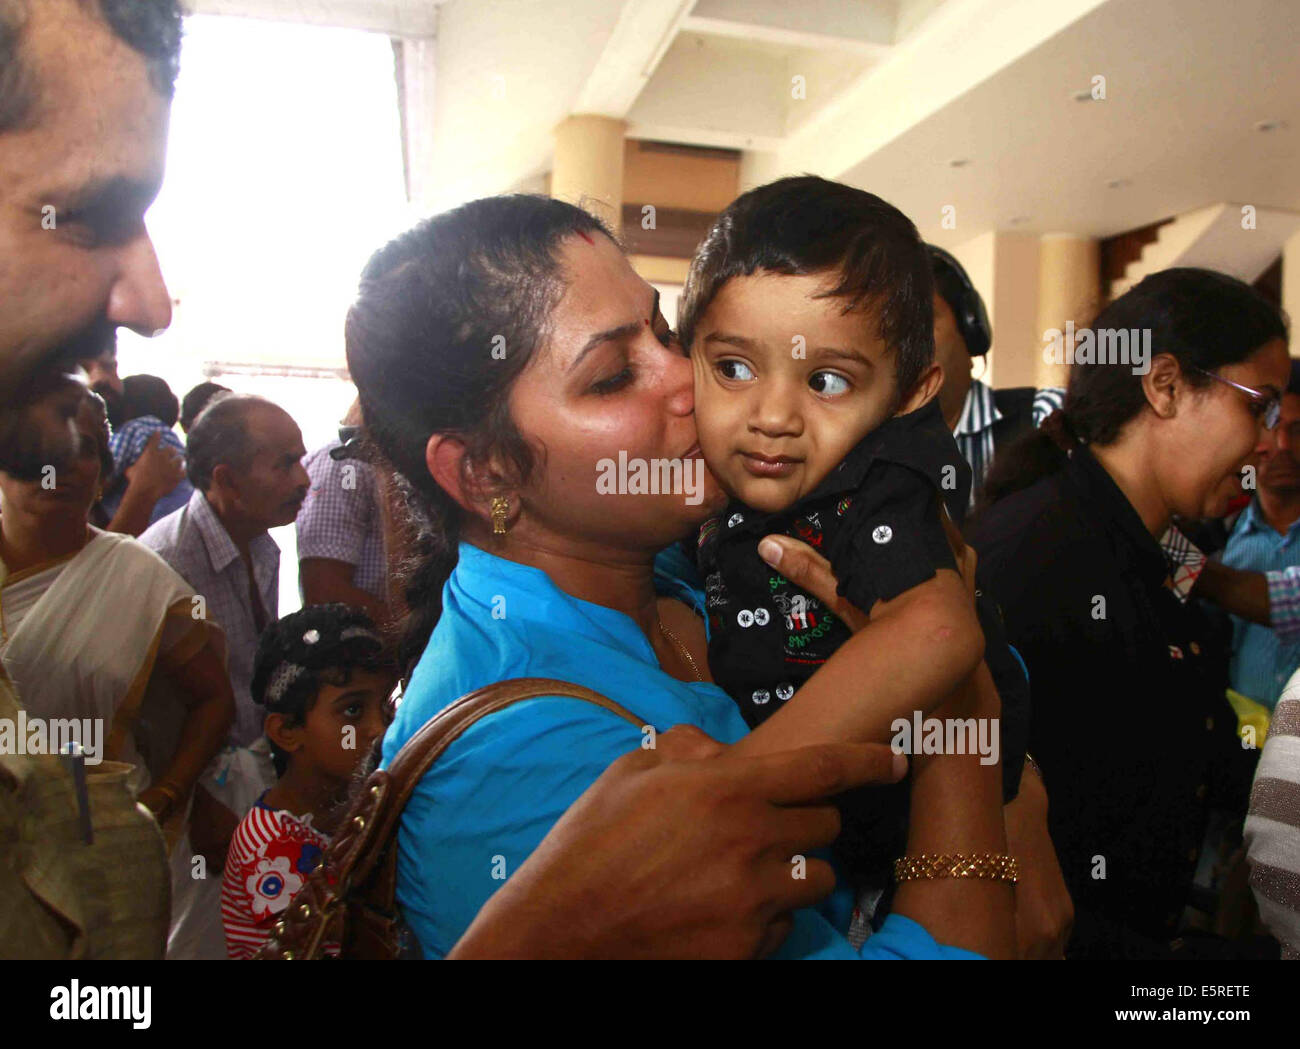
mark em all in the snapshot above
pixel 926 389
pixel 1162 384
pixel 224 479
pixel 281 734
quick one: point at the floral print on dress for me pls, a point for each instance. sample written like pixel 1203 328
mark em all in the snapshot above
pixel 271 856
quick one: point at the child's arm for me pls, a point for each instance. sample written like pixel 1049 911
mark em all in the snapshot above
pixel 911 654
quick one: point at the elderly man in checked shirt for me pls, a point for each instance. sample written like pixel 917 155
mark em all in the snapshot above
pixel 245 464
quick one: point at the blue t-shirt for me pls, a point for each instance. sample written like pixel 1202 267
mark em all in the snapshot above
pixel 499 788
pixel 1262 659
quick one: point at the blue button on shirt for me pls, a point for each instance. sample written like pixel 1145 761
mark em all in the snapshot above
pixel 1261 663
pixel 498 789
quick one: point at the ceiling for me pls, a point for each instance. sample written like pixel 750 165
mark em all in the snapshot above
pixel 885 94
pixel 394 17
pixel 1186 83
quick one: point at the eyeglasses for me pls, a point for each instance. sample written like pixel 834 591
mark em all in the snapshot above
pixel 1267 406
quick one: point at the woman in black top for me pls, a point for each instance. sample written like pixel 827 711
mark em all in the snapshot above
pixel 1128 716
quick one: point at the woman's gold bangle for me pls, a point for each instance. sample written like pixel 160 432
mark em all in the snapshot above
pixel 956 865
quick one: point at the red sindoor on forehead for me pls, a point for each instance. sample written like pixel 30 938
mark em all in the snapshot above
pixel 586 237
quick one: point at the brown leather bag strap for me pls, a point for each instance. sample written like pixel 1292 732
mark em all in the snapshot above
pixel 422 750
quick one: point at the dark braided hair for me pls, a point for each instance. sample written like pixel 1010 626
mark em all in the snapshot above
pixel 320 645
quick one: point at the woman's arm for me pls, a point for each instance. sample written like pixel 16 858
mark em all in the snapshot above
pixel 211 713
pixel 957 809
pixel 1044 910
pixel 956 800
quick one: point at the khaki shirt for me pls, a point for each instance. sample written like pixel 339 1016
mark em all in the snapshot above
pixel 54 897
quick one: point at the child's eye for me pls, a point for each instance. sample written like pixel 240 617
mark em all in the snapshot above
pixel 828 384
pixel 736 371
pixel 352 710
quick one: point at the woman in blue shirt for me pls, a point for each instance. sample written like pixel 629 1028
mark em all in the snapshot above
pixel 501 351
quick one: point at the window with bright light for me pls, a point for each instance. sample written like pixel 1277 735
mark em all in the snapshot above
pixel 284 173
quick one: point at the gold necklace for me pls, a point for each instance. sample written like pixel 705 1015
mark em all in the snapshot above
pixel 686 654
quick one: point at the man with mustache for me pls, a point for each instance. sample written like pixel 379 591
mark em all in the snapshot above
pixel 85 89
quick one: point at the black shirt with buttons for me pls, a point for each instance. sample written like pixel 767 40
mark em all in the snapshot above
pixel 1129 723
pixel 876 518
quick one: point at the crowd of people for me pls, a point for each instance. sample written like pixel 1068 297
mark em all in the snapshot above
pixel 1097 584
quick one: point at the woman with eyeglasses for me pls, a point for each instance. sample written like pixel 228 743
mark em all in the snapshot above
pixel 1129 724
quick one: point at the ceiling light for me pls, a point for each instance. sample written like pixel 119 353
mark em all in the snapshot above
pixel 1083 96
pixel 1270 125
pixel 1118 183
pixel 960 162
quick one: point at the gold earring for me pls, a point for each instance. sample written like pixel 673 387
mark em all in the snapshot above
pixel 500 507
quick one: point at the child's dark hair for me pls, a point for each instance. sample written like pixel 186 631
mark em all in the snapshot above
pixel 805 224
pixel 193 403
pixel 149 395
pixel 320 645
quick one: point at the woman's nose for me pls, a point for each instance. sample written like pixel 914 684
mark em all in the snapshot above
pixel 680 380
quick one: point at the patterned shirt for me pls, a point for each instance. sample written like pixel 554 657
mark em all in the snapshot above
pixel 195 543
pixel 271 856
pixel 1284 603
pixel 127 445
pixel 341 519
pixel 1186 562
pixel 876 519
pixel 974 430
pixel 1262 661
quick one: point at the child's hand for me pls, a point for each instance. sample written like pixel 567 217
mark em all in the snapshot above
pixel 809 571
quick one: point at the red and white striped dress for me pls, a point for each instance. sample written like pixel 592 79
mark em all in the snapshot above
pixel 271 855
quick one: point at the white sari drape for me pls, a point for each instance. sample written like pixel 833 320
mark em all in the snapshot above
pixel 91 633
